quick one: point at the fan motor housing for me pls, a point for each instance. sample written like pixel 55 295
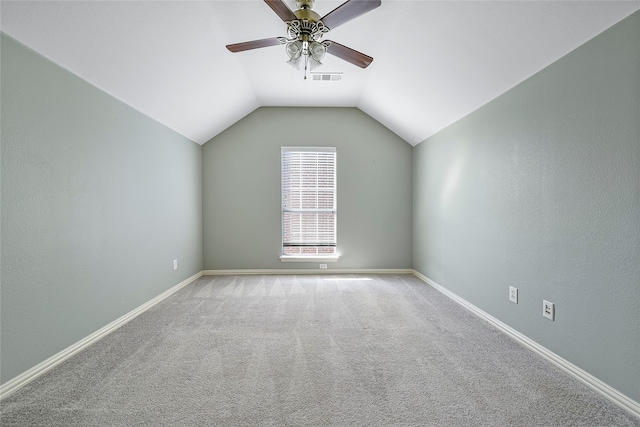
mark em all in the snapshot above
pixel 307 15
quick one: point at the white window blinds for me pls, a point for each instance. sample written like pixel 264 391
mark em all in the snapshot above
pixel 308 201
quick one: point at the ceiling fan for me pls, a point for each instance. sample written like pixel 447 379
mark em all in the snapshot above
pixel 305 28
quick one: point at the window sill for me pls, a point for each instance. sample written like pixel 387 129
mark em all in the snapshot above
pixel 294 258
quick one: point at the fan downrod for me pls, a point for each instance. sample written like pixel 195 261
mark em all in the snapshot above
pixel 305 4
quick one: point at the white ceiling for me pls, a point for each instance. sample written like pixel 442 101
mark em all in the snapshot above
pixel 434 61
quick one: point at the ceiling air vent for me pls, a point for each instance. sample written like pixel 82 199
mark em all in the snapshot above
pixel 326 77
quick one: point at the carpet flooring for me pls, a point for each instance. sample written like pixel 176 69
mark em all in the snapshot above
pixel 326 350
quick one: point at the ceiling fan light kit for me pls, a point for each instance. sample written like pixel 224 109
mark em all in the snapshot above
pixel 305 29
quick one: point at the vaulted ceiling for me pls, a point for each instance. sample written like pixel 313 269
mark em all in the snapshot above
pixel 434 61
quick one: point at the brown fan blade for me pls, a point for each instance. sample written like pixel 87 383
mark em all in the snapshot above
pixel 254 44
pixel 281 9
pixel 347 11
pixel 349 55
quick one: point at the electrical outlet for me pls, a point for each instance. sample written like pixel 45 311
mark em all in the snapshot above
pixel 323 266
pixel 513 294
pixel 175 264
pixel 548 310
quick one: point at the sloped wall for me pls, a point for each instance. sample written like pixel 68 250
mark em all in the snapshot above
pixel 97 200
pixel 241 189
pixel 540 189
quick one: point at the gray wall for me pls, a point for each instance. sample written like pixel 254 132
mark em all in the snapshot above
pixel 540 189
pixel 97 200
pixel 241 189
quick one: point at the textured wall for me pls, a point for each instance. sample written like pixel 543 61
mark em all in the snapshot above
pixel 540 189
pixel 97 200
pixel 241 189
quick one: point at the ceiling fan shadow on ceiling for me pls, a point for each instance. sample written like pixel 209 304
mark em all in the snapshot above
pixel 305 29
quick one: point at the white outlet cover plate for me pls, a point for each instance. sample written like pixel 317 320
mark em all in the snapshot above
pixel 513 294
pixel 548 310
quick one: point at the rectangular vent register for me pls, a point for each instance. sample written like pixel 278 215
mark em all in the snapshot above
pixel 326 77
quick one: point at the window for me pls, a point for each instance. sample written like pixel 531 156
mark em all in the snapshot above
pixel 308 202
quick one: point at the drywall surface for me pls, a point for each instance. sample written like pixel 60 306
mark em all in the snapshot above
pixel 540 189
pixel 97 201
pixel 241 189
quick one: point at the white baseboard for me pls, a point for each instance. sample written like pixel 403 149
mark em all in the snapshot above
pixel 306 271
pixel 31 374
pixel 594 383
pixel 26 377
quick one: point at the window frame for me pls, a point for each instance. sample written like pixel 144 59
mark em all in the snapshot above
pixel 311 257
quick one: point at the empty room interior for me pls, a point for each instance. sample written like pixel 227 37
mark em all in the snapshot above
pixel 482 259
